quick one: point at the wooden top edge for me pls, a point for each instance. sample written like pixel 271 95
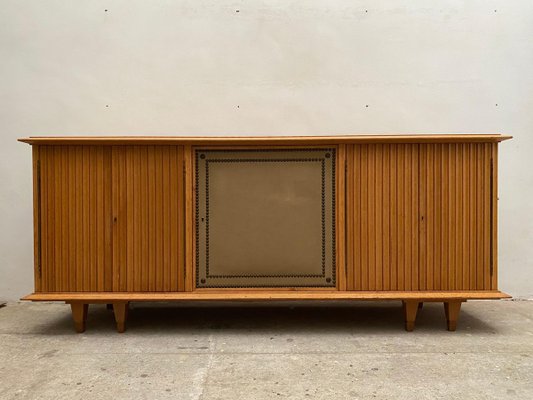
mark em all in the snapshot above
pixel 272 140
pixel 249 295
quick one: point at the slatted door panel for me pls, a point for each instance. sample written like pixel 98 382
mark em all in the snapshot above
pixel 455 209
pixel 148 212
pixel 382 217
pixel 74 193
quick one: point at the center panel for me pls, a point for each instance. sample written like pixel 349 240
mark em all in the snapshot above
pixel 265 218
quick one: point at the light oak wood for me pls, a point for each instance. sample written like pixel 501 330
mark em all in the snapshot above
pixel 341 218
pixel 36 218
pixel 266 140
pixel 72 223
pixel 410 308
pixel 120 310
pixel 455 217
pixel 494 217
pixel 260 295
pixel 79 315
pixel 148 216
pixel 382 234
pixel 190 270
pixel 451 310
pixel 415 220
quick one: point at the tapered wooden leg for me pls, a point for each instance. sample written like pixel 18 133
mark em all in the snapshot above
pixel 410 308
pixel 79 315
pixel 121 314
pixel 452 309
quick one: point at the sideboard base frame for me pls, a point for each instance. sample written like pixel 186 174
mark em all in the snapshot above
pixel 411 301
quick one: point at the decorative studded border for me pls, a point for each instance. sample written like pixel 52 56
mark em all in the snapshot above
pixel 331 152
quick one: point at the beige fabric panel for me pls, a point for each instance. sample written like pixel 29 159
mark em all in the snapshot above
pixel 265 218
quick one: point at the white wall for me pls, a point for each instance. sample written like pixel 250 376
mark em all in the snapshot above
pixel 274 67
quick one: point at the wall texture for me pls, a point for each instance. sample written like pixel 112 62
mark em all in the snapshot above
pixel 266 67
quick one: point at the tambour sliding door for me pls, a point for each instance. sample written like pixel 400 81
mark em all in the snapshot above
pixel 73 218
pixel 456 198
pixel 148 218
pixel 382 215
pixel 420 216
pixel 110 218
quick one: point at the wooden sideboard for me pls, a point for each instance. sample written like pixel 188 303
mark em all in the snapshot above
pixel 406 217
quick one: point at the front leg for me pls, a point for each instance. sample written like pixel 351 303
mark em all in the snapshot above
pixel 121 314
pixel 410 308
pixel 452 310
pixel 79 315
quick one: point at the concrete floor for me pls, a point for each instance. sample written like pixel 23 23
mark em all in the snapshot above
pixel 343 351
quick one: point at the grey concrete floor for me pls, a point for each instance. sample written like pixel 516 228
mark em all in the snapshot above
pixel 339 351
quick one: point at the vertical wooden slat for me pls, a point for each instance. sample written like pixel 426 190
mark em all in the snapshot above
pixel 165 270
pixel 466 215
pixel 430 216
pixel 437 200
pixel 158 206
pixel 71 205
pixel 451 221
pixel 486 215
pixel 357 198
pixel 189 232
pixel 100 220
pixel 493 230
pixel 63 215
pixel 444 213
pixel 181 203
pixel 479 217
pixel 415 218
pixel 62 267
pixel 85 218
pixel 151 217
pixel 145 240
pixel 174 204
pixel 130 228
pixel 459 216
pixel 44 219
pixel 116 157
pixel 78 237
pixel 52 265
pixel 56 212
pixel 422 218
pixel 36 168
pixel 137 206
pixel 473 222
pixel 372 266
pixel 408 232
pixel 340 217
pixel 394 215
pixel 108 218
pixel 365 217
pixel 93 221
pixel 349 218
pixel 378 217
pixel 401 218
pixel 386 207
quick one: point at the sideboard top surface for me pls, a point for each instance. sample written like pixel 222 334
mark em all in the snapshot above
pixel 263 140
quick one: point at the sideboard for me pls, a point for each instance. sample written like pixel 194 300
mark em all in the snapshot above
pixel 411 218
